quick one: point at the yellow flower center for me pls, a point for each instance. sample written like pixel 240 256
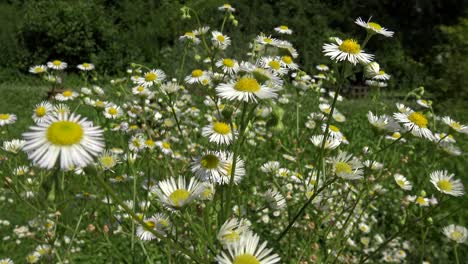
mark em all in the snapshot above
pixel 232 236
pixel 382 72
pixel 350 46
pixel 221 128
pixel 149 143
pixel 229 169
pixel 166 145
pixel 99 103
pixel 396 135
pixel 67 93
pixel 56 62
pixel 284 27
pixel 4 116
pixel 455 125
pixel 418 119
pixel 334 128
pixel 140 88
pixel 401 183
pixel 228 63
pixel 247 85
pixel 343 167
pixel 227 6
pixel 41 111
pixel 107 161
pixel 197 73
pixel 151 76
pixel 220 38
pixel 150 224
pixel 287 59
pixel 178 197
pixel 38 70
pixel 86 65
pixel 374 26
pixel 456 235
pixel 190 34
pixel 64 133
pixel 246 259
pixel 119 178
pixel 445 185
pixel 112 111
pixel 267 40
pixel 209 161
pixel 274 64
pixel 420 200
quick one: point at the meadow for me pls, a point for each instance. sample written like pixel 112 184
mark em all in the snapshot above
pixel 232 158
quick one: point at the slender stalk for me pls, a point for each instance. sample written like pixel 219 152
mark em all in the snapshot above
pixel 455 252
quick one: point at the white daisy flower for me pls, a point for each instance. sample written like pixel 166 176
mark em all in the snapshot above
pixel 227 8
pixel 416 122
pixel 395 136
pixel 57 65
pixel 283 30
pixel 275 199
pixel 330 143
pixel 424 103
pixel 288 62
pixel 158 223
pixel 136 143
pixel 196 76
pixel 229 66
pixel 373 27
pixel 201 31
pixel 151 78
pixel 455 125
pixel 266 40
pixel 164 146
pixel 7 119
pixel 86 66
pixel 322 67
pixel 218 132
pixel 66 95
pixel 456 233
pixel 248 250
pixel 402 182
pixel 347 50
pixel 71 137
pixel 403 108
pixel 219 40
pixel 112 111
pixel 383 122
pixel 61 109
pixel 270 167
pixel 176 193
pixel 346 166
pixel 13 146
pixel 38 69
pixel 246 89
pixel 240 169
pixel 190 36
pixel 141 90
pixel 333 131
pixel 107 160
pixel 232 230
pixel 445 183
pixel 274 64
pixel 210 167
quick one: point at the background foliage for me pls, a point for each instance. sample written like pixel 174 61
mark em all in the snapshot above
pixel 429 48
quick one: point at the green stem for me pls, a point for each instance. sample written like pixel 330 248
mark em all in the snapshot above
pixel 455 251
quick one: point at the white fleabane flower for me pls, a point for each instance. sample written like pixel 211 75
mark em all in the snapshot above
pixel 246 89
pixel 174 193
pixel 373 27
pixel 57 65
pixel 445 183
pixel 402 182
pixel 151 78
pixel 347 50
pixel 86 66
pixel 248 250
pixel 70 137
pixel 346 166
pixel 283 30
pixel 456 233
